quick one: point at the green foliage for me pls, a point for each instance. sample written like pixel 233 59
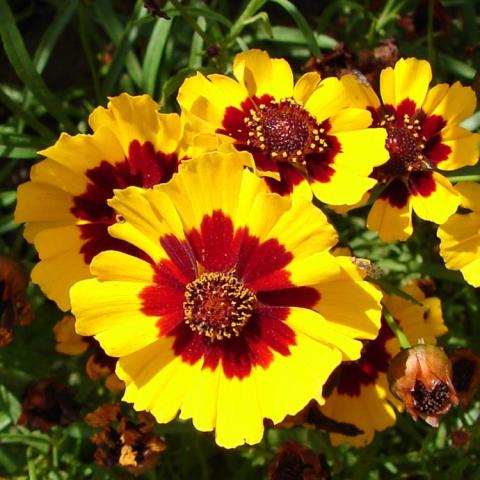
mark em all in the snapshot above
pixel 63 57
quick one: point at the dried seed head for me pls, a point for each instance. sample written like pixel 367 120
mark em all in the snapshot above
pixel 421 377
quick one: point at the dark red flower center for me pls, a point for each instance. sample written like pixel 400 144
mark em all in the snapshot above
pixel 218 305
pixel 431 401
pixel 283 138
pixel 284 130
pixel 405 143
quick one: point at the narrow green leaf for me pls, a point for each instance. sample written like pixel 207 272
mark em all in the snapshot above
pixel 11 139
pixel 35 440
pixel 108 19
pixel 154 53
pixel 196 49
pixel 24 67
pixel 49 39
pixel 252 7
pixel 302 24
pixel 26 116
pixel 129 36
pixel 17 152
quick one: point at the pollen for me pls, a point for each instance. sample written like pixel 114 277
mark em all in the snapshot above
pixel 406 144
pixel 283 130
pixel 218 305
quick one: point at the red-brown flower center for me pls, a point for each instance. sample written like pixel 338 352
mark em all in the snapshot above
pixel 218 305
pixel 284 130
pixel 406 144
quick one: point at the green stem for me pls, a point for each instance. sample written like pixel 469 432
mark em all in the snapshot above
pixel 464 178
pixel 191 21
pixel 401 337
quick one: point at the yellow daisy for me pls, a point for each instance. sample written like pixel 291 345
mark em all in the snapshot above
pixel 294 131
pixel 64 204
pixel 460 235
pixel 239 300
pixel 357 392
pixel 423 136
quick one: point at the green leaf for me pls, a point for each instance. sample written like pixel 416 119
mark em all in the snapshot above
pixel 195 57
pixel 49 39
pixel 302 24
pixel 36 440
pixel 24 67
pixel 154 53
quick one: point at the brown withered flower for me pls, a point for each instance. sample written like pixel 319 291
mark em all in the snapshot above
pixel 155 8
pixel 460 438
pixel 13 307
pixel 421 377
pixel 47 403
pixel 122 442
pixel 297 462
pixel 465 374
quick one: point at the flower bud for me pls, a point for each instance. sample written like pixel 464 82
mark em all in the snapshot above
pixel 421 377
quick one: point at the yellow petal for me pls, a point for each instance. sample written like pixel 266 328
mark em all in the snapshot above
pixel 469 195
pixel 440 204
pixel 111 311
pixel 305 86
pixel 391 223
pixel 464 150
pixel 361 95
pixel 327 100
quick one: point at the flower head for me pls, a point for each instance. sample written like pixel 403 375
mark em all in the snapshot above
pixel 423 136
pixel 297 462
pixel 47 403
pixel 130 444
pixel 421 377
pixel 293 131
pixel 357 392
pixel 465 374
pixel 239 299
pixel 13 307
pixel 460 235
pixel 65 205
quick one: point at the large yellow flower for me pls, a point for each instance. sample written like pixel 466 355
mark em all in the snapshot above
pixel 423 136
pixel 460 235
pixel 359 392
pixel 240 314
pixel 294 131
pixel 65 202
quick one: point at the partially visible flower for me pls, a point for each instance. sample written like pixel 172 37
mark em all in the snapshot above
pixel 460 438
pixel 240 299
pixel 295 132
pixel 423 136
pixel 47 403
pixel 460 235
pixel 13 307
pixel 297 462
pixel 98 365
pixel 421 377
pixel 65 205
pixel 122 441
pixel 357 392
pixel 465 374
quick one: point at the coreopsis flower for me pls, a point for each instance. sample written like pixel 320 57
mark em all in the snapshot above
pixel 47 403
pixel 129 444
pixel 421 377
pixel 297 462
pixel 98 364
pixel 13 307
pixel 424 136
pixel 460 235
pixel 465 374
pixel 357 392
pixel 294 131
pixel 239 300
pixel 65 205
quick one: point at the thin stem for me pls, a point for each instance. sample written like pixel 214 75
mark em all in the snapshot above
pixel 401 337
pixel 191 21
